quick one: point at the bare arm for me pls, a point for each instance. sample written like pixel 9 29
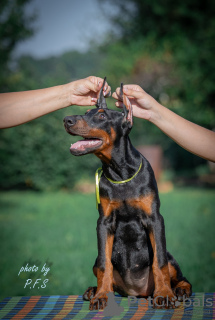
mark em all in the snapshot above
pixel 19 107
pixel 188 135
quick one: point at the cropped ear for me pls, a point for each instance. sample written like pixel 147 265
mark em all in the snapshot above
pixel 129 115
pixel 101 102
pixel 127 108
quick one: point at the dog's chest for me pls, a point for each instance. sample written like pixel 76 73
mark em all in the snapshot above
pixel 122 191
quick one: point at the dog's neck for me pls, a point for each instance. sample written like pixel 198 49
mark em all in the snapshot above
pixel 124 161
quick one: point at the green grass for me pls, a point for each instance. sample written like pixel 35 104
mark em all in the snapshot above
pixel 60 229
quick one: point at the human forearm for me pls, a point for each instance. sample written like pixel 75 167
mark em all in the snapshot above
pixel 190 136
pixel 20 107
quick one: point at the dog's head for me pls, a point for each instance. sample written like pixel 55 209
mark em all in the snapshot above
pixel 100 128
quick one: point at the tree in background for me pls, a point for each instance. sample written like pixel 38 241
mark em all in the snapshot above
pixel 181 35
pixel 166 47
pixel 15 26
pixel 176 61
pixel 36 155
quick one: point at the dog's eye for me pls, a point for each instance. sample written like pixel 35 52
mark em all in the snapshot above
pixel 102 116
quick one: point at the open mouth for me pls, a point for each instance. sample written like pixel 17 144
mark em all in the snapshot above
pixel 86 145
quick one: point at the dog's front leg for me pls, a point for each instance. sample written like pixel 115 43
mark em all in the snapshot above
pixel 163 294
pixel 104 269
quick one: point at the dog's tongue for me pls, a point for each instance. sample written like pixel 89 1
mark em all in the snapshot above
pixel 85 144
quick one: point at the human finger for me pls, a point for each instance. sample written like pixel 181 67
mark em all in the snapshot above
pixel 133 93
pixel 119 104
pixel 116 95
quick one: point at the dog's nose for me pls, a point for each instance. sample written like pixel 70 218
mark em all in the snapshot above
pixel 69 121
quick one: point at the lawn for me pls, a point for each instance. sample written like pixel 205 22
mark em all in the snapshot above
pixel 59 230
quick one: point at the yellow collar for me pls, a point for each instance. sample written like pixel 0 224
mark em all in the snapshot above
pixel 98 175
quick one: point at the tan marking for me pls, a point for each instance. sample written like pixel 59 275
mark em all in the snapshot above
pixel 173 274
pixel 81 128
pixel 95 269
pixel 101 110
pixel 144 203
pixel 161 275
pixel 105 278
pixel 184 285
pixel 104 152
pixel 108 206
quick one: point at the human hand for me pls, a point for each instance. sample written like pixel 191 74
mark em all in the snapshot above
pixel 143 105
pixel 85 92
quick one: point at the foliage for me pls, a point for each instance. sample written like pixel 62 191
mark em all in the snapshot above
pixel 57 227
pixel 36 155
pixel 158 48
pixel 137 17
pixel 175 63
pixel 182 35
pixel 15 26
pixel 32 73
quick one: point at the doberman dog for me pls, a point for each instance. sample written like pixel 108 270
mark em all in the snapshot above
pixel 132 257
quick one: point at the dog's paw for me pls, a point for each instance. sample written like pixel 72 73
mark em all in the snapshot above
pixel 183 290
pixel 164 299
pixel 89 293
pixel 98 302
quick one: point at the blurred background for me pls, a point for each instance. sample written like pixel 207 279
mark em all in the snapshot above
pixel 48 212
